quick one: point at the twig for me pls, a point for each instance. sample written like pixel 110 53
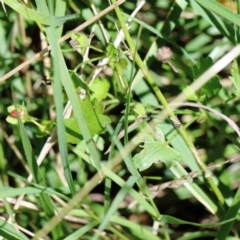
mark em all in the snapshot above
pixel 231 123
pixel 179 182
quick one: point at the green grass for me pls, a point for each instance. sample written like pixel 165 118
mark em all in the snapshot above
pixel 58 181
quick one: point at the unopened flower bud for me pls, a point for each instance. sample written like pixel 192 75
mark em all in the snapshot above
pixel 14 113
pixel 164 54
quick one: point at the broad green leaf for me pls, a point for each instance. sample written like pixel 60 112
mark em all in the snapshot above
pixel 100 88
pixel 154 152
pixel 123 63
pixel 93 116
pixel 77 81
pixel 212 87
pixel 202 66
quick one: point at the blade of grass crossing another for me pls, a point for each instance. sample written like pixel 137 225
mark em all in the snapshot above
pixel 82 230
pixel 232 212
pixel 42 18
pixel 68 86
pixel 129 163
pixel 114 206
pixel 57 89
pixel 60 9
pixel 46 202
pixel 138 230
pixel 220 10
pixel 140 199
pixel 108 182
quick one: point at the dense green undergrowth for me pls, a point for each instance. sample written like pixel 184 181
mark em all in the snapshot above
pixel 119 121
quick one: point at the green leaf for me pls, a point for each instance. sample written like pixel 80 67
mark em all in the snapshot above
pixel 93 116
pixel 100 87
pixel 139 109
pixel 77 81
pixel 235 78
pixel 44 128
pixel 112 54
pixel 202 66
pixel 213 86
pixel 155 149
pixel 121 65
pixel 157 135
pixel 191 95
pixel 46 19
pixel 79 40
pixel 154 152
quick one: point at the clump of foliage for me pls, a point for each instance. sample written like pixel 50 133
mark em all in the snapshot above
pixel 110 112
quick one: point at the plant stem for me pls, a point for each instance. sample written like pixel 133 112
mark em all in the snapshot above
pixel 88 61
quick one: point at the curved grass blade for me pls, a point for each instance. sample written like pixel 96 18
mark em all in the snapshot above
pixel 8 231
pixel 38 17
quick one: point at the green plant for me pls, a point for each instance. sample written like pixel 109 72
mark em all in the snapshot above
pixel 143 123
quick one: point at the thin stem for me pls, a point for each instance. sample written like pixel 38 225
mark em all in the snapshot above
pixel 88 61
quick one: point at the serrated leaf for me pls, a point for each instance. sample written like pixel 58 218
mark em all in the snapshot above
pixel 154 152
pixel 93 116
pixel 112 54
pixel 111 50
pixel 212 87
pixel 100 88
pixel 142 138
pixel 157 135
